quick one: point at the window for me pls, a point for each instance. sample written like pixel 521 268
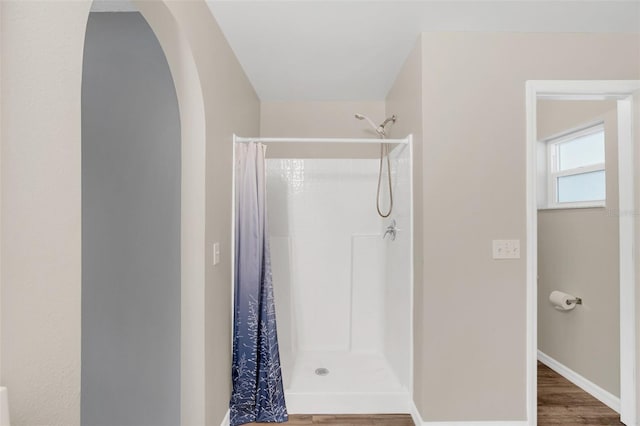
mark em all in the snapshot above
pixel 576 169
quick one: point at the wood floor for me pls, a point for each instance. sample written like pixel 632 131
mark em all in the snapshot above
pixel 560 402
pixel 348 420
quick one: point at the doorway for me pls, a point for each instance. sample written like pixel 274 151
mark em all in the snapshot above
pixel 131 226
pixel 578 255
pixel 621 93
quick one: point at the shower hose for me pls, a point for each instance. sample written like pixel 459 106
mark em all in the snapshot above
pixel 384 152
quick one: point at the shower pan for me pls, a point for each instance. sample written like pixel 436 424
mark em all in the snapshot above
pixel 343 293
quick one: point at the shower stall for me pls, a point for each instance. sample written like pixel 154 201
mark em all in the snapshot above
pixel 342 277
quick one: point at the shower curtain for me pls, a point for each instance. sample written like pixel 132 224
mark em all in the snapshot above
pixel 258 394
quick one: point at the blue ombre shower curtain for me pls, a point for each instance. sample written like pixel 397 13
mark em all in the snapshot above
pixel 258 394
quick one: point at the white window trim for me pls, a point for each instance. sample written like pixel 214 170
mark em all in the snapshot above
pixel 549 200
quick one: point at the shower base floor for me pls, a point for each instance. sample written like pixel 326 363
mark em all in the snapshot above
pixel 357 383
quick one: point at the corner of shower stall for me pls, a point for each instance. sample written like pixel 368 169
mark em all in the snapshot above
pixel 343 293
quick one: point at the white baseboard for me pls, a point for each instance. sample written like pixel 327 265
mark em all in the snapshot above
pixel 347 402
pixel 417 419
pixel 588 386
pixel 226 420
pixel 415 414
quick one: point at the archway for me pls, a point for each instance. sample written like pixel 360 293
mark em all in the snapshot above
pixel 188 91
pixel 130 226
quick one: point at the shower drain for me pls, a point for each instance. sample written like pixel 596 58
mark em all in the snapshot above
pixel 322 371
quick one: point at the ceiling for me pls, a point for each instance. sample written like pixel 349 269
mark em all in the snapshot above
pixel 353 50
pixel 323 50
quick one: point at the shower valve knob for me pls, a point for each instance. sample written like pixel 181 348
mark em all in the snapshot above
pixel 391 231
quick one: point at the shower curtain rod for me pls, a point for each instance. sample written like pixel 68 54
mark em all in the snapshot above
pixel 239 139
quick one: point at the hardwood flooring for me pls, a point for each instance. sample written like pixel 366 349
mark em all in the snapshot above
pixel 348 420
pixel 560 402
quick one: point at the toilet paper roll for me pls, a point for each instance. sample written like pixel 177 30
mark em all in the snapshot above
pixel 4 407
pixel 561 300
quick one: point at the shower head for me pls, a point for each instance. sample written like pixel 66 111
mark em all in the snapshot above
pixel 364 117
pixel 380 130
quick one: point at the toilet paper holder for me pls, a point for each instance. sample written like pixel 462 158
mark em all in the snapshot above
pixel 564 301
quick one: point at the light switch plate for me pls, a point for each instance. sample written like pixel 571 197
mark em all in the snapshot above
pixel 506 249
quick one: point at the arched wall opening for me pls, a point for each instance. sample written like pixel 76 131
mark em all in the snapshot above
pixel 130 226
pixel 42 52
pixel 191 215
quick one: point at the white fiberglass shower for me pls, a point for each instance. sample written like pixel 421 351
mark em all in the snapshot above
pixel 343 293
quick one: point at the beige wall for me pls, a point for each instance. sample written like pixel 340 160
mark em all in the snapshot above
pixel 473 332
pixel 1 138
pixel 405 100
pixel 470 344
pixel 578 252
pixel 231 105
pixel 191 104
pixel 42 62
pixel 42 44
pixel 636 129
pixel 319 120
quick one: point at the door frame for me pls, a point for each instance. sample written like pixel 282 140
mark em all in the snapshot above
pixel 622 91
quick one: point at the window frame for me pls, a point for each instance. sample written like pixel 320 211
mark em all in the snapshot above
pixel 553 173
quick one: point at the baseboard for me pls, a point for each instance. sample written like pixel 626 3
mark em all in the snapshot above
pixel 417 420
pixel 347 402
pixel 415 414
pixel 607 398
pixel 226 420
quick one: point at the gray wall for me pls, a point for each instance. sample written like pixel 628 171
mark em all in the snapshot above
pixel 578 253
pixel 131 227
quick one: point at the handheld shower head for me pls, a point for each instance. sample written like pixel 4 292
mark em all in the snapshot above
pixel 384 152
pixel 371 123
pixel 380 130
